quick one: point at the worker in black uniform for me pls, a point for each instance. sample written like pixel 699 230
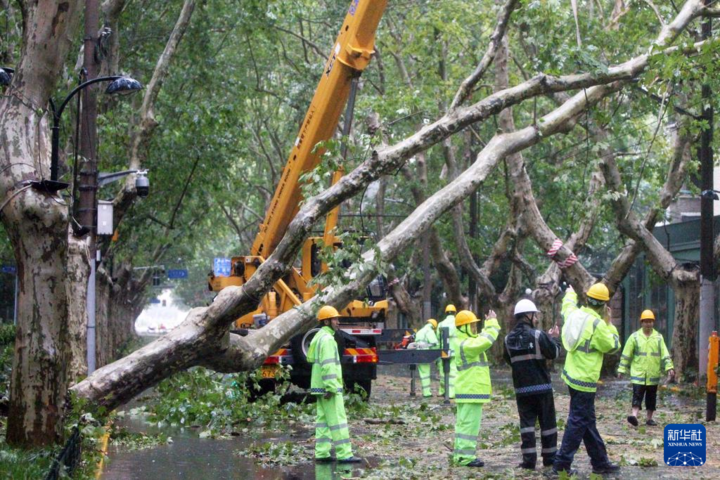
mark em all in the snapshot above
pixel 526 350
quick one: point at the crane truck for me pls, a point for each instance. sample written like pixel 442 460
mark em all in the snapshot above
pixel 362 320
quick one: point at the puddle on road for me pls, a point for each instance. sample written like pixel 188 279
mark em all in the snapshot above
pixel 205 459
pixel 191 457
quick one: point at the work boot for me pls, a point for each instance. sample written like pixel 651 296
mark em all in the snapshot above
pixel 651 423
pixel 527 466
pixel 632 420
pixel 607 469
pixel 476 463
pixel 324 459
pixel 350 460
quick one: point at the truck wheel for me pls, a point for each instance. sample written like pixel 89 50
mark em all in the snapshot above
pixel 300 344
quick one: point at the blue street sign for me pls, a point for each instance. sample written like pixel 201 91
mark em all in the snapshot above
pixel 177 274
pixel 221 267
pixel 9 269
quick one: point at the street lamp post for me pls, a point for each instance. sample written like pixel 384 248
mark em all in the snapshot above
pixel 120 85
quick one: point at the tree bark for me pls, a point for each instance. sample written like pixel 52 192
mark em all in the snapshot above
pixel 78 270
pixel 36 223
pixel 685 333
pixel 443 265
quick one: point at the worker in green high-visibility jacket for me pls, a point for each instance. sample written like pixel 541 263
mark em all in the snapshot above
pixel 331 427
pixel 587 335
pixel 449 323
pixel 472 388
pixel 647 357
pixel 426 339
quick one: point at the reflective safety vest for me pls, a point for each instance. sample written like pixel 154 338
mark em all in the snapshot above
pixel 449 322
pixel 647 357
pixel 326 370
pixel 594 338
pixel 472 384
pixel 427 335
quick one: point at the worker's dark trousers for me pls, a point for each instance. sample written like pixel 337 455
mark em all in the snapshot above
pixel 581 427
pixel 537 407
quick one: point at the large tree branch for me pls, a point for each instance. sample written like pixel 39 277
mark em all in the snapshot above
pixel 467 86
pixel 662 261
pixel 112 10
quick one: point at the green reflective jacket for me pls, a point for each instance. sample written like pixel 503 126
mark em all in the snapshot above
pixel 584 359
pixel 427 335
pixel 647 357
pixel 449 322
pixel 326 369
pixel 472 384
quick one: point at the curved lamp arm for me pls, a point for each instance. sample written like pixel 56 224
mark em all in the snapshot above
pixel 110 78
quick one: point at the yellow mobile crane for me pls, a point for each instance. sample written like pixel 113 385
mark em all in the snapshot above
pixel 363 319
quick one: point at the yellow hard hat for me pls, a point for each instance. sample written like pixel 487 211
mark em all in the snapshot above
pixel 433 322
pixel 450 308
pixel 647 315
pixel 326 313
pixel 599 292
pixel 465 317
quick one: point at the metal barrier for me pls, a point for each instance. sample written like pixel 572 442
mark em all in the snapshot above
pixel 68 458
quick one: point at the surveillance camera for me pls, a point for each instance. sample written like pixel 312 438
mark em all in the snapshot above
pixel 142 184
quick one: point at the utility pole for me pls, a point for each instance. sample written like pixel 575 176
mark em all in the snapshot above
pixel 88 174
pixel 427 279
pixel 472 286
pixel 707 270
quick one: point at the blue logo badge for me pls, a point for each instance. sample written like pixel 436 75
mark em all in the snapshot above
pixel 685 444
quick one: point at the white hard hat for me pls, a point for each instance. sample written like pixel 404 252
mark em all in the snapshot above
pixel 525 306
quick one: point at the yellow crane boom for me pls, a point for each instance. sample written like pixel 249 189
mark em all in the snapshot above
pixel 350 55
